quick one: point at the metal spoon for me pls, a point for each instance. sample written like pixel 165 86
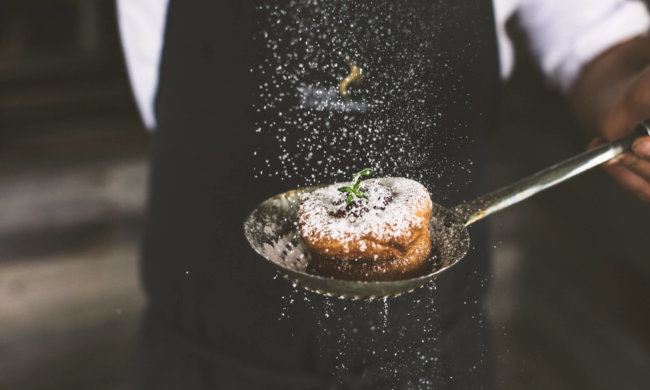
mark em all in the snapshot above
pixel 272 230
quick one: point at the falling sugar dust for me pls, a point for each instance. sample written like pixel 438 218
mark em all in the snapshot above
pixel 310 132
pixel 378 342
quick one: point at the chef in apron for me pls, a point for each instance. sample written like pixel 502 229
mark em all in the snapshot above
pixel 247 107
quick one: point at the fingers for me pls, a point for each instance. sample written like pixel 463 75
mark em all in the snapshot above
pixel 631 181
pixel 638 160
pixel 632 169
pixel 634 163
pixel 641 147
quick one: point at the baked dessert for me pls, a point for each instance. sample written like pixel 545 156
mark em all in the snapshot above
pixel 376 230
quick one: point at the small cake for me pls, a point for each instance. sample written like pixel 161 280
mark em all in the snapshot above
pixel 381 233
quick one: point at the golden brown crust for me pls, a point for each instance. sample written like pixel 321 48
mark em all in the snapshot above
pixel 411 264
pixel 374 244
pixel 392 249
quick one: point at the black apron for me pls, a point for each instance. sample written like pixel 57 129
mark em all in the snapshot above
pixel 217 317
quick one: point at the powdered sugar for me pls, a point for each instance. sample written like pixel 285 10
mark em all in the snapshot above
pixel 388 212
pixel 288 251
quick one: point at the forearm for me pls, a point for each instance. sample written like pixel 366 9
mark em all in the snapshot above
pixel 613 89
pixel 610 97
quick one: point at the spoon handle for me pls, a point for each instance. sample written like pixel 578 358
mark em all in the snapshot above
pixel 485 205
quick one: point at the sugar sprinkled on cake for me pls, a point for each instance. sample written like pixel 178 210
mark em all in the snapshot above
pixel 387 211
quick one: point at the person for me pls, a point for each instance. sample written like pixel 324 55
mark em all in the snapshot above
pixel 225 140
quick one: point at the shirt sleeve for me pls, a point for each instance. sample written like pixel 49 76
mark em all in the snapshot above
pixel 566 34
pixel 142 26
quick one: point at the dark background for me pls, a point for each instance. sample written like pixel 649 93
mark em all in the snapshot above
pixel 569 297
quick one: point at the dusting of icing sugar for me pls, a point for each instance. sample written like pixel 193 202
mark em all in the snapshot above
pixel 388 211
pixel 288 251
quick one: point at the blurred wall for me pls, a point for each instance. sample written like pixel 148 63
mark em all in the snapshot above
pixel 59 58
pixel 73 169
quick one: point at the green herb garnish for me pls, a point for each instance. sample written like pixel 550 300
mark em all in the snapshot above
pixel 354 190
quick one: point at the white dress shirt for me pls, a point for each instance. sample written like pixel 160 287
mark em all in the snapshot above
pixel 564 34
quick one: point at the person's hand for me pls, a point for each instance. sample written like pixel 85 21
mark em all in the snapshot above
pixel 611 97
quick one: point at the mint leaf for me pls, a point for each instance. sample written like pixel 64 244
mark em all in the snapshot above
pixel 354 190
